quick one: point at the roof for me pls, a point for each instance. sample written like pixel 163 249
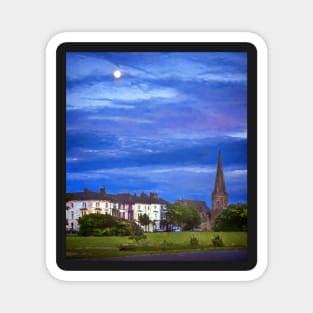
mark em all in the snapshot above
pixel 201 206
pixel 120 198
pixel 89 195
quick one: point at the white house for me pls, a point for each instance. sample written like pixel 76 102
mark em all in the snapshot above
pixel 125 206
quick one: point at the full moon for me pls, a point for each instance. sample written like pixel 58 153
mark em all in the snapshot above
pixel 117 74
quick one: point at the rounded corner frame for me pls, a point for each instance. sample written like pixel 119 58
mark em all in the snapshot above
pixel 260 45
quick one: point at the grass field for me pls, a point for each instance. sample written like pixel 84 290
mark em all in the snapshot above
pixel 103 247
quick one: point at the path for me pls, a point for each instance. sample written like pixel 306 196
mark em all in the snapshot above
pixel 209 256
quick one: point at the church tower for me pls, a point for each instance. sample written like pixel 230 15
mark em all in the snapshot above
pixel 219 195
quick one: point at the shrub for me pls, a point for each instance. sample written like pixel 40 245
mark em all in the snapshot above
pixel 164 244
pixel 194 241
pixel 217 241
pixel 98 232
pixel 137 237
pixel 128 247
pixel 107 225
pixel 109 231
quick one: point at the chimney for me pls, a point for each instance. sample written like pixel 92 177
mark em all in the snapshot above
pixel 143 195
pixel 102 190
pixel 86 190
pixel 153 195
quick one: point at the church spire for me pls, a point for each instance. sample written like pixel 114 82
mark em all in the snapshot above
pixel 219 180
pixel 219 194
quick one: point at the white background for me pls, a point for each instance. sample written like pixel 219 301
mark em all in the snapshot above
pixel 25 29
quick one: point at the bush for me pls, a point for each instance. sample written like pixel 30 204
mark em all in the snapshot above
pixel 98 232
pixel 128 247
pixel 107 225
pixel 137 237
pixel 165 244
pixel 217 241
pixel 194 241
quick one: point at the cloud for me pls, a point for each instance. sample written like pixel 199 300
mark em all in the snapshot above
pixel 82 65
pixel 172 182
pixel 95 104
pixel 210 67
pixel 240 134
pixel 233 174
pixel 189 66
pixel 123 119
pixel 150 171
pixel 71 159
pixel 111 95
pixel 96 151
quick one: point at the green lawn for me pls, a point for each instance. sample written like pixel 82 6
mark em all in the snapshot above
pixel 89 247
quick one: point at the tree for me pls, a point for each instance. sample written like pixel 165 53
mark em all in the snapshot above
pixel 233 218
pixel 191 218
pixel 187 217
pixel 144 220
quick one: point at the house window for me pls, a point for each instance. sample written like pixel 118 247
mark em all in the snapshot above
pixel 107 205
pixel 84 204
pixel 72 204
pixel 72 215
pixel 97 204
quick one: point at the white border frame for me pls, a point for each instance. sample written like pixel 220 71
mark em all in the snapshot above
pixel 262 155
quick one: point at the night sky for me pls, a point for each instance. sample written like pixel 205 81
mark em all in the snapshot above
pixel 159 126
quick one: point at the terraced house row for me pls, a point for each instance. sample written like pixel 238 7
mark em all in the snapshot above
pixel 124 206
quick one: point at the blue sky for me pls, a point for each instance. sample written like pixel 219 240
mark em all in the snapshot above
pixel 160 125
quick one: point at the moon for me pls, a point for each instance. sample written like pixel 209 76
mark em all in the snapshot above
pixel 117 74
